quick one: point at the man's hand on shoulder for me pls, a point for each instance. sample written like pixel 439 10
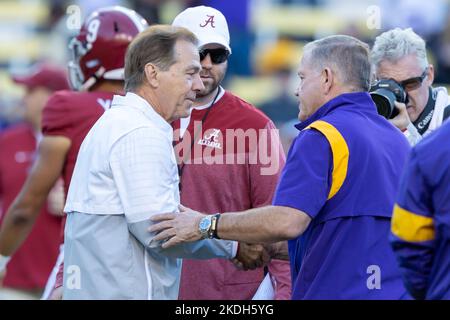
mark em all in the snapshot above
pixel 176 228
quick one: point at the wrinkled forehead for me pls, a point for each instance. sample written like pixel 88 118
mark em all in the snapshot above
pixel 305 61
pixel 186 52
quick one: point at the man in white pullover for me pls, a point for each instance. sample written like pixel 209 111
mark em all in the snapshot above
pixel 126 172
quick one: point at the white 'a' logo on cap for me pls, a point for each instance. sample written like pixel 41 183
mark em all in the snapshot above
pixel 210 20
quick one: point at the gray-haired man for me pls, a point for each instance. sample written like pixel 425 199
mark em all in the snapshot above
pixel 400 54
pixel 336 193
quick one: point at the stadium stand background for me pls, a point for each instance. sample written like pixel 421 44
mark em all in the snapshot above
pixel 266 35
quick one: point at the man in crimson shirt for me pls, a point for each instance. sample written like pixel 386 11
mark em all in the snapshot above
pixel 222 147
pixel 97 73
pixel 32 263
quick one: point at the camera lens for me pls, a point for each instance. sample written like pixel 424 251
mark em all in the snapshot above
pixel 384 100
pixel 384 93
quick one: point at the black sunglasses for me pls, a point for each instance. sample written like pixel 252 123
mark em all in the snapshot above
pixel 415 82
pixel 218 55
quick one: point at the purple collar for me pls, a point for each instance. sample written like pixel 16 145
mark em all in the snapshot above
pixel 360 100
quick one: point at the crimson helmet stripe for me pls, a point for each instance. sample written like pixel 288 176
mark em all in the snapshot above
pixel 138 21
pixel 98 53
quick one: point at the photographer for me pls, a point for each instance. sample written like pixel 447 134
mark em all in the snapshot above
pixel 400 55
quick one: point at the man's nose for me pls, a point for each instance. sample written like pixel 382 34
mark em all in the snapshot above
pixel 197 85
pixel 206 62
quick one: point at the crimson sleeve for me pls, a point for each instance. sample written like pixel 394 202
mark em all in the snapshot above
pixel 56 118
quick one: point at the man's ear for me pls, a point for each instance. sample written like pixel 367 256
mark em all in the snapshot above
pixel 151 74
pixel 430 75
pixel 327 80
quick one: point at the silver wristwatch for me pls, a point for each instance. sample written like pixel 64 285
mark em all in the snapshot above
pixel 204 226
pixel 208 226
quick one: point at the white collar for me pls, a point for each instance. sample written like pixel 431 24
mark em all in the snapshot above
pixel 184 122
pixel 136 101
pixel 205 106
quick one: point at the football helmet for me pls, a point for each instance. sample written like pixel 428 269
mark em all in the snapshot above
pixel 98 51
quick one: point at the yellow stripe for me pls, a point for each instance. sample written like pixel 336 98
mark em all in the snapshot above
pixel 411 227
pixel 340 152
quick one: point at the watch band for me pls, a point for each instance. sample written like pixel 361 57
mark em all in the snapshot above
pixel 214 226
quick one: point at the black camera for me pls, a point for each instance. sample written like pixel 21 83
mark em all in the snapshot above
pixel 384 93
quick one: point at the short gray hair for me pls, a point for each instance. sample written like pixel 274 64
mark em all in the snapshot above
pixel 397 43
pixel 154 45
pixel 345 55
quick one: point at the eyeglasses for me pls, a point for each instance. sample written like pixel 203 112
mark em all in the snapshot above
pixel 415 82
pixel 218 55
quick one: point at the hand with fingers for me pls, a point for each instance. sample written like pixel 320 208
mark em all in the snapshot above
pixel 175 228
pixel 401 120
pixel 277 250
pixel 56 199
pixel 251 256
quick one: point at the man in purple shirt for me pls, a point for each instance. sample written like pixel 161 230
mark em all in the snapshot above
pixel 335 196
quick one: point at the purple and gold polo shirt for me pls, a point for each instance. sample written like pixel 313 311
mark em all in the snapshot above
pixel 343 170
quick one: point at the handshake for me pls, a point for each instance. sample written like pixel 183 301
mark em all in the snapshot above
pixel 175 228
pixel 253 256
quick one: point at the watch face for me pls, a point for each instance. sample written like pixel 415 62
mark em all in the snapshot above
pixel 205 223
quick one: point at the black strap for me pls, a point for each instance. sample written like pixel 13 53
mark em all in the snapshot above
pixel 423 121
pixel 215 236
pixel 188 154
pixel 446 113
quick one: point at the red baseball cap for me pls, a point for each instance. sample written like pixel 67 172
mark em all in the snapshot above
pixel 48 76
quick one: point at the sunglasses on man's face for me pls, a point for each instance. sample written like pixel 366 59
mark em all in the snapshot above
pixel 217 55
pixel 413 83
